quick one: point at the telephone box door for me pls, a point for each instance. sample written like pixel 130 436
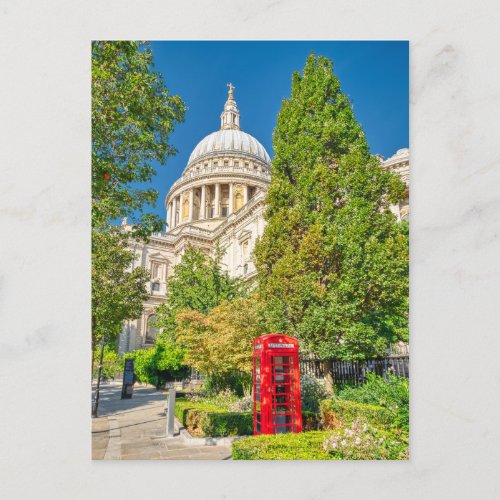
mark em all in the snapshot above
pixel 276 376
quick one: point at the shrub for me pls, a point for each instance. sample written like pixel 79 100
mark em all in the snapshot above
pixel 110 362
pixel 310 421
pixel 225 399
pixel 312 392
pixel 337 412
pixel 339 444
pixel 206 419
pixel 158 364
pixel 234 381
pixel 244 403
pixel 392 393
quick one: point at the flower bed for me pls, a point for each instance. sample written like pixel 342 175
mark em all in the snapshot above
pixel 359 441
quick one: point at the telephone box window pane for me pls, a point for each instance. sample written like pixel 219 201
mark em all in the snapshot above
pixel 282 408
pixel 282 379
pixel 283 419
pixel 281 360
pixel 282 429
pixel 282 369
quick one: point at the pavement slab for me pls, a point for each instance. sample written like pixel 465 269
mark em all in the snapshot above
pixel 135 429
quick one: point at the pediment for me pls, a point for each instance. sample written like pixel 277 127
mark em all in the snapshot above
pixel 243 235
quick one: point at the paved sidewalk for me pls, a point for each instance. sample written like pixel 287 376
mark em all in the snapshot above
pixel 134 429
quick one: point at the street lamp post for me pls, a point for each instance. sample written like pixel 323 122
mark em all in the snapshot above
pixel 99 369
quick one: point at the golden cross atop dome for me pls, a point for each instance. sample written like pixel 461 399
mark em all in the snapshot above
pixel 231 87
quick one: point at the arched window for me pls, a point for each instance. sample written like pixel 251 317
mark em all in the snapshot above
pixel 238 201
pixel 185 210
pixel 151 330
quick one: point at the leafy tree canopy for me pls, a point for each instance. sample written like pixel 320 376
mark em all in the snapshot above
pixel 117 291
pixel 220 342
pixel 198 284
pixel 133 115
pixel 333 261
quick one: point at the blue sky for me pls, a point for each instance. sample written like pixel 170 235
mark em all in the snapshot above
pixel 373 74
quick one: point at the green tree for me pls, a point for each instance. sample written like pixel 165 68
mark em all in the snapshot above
pixel 219 342
pixel 198 284
pixel 133 115
pixel 333 261
pixel 118 292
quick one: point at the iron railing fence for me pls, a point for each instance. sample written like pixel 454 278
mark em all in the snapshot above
pixel 354 372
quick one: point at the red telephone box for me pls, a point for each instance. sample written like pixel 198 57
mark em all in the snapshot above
pixel 276 385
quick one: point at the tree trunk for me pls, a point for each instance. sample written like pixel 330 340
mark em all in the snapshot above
pixel 329 380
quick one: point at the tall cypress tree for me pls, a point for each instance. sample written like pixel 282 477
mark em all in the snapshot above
pixel 333 260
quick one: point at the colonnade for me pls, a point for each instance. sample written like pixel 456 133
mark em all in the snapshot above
pixel 217 199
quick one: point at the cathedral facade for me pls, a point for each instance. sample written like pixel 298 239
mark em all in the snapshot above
pixel 218 202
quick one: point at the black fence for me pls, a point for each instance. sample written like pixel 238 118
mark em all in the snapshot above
pixel 354 372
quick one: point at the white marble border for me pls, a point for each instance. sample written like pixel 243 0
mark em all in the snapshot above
pixel 44 247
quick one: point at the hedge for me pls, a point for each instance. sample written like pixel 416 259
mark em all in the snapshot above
pixel 390 392
pixel 302 446
pixel 310 446
pixel 337 412
pixel 205 419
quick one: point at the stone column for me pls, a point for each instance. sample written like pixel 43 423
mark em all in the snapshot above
pixel 245 194
pixel 203 208
pixel 174 214
pixel 231 198
pixel 191 205
pixel 217 200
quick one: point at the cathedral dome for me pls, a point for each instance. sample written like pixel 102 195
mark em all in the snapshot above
pixel 229 141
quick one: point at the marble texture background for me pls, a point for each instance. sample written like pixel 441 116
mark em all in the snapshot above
pixel 44 247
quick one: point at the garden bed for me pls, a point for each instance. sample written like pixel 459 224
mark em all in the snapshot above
pixel 339 444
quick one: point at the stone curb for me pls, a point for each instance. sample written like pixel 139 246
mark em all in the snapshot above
pixel 203 441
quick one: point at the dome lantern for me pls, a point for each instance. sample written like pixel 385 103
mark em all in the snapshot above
pixel 230 117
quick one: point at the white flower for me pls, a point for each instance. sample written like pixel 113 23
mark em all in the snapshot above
pixel 358 440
